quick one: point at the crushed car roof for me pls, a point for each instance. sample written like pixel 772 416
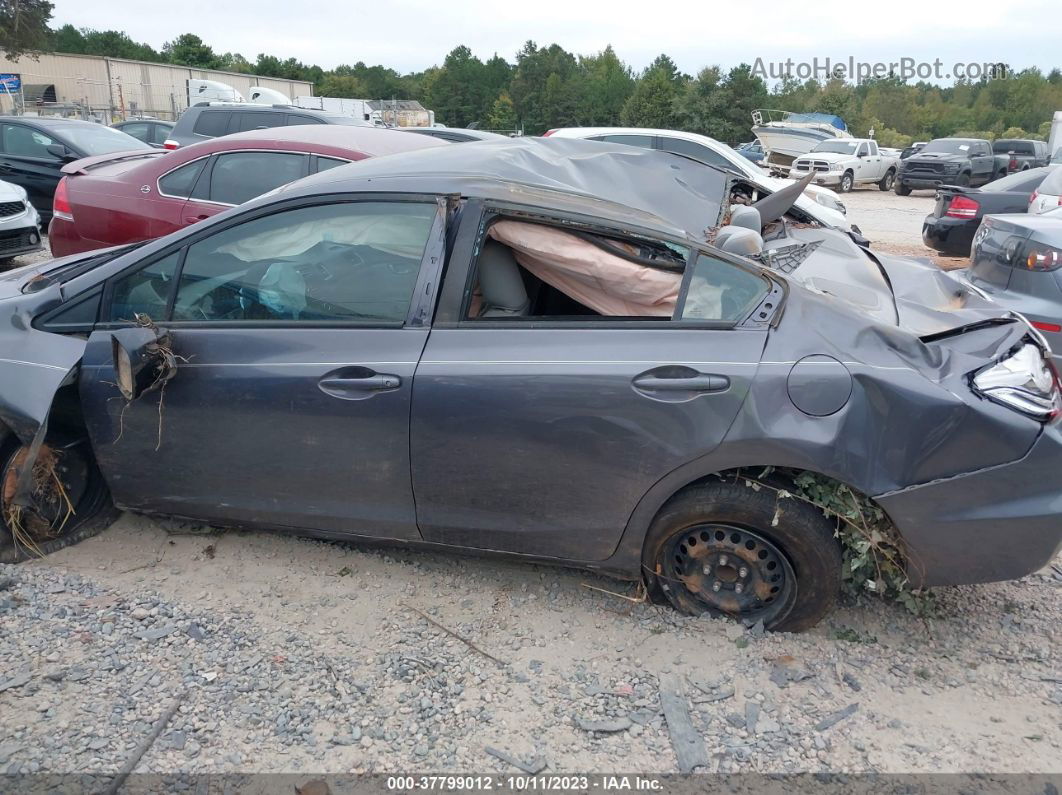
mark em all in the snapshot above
pixel 618 179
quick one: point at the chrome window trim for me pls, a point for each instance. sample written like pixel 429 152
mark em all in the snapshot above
pixel 158 180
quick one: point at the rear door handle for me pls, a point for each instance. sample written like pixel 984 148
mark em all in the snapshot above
pixel 694 383
pixel 357 383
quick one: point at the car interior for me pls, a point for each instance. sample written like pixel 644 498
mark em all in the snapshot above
pixel 532 270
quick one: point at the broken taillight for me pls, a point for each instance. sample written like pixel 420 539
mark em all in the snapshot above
pixel 61 202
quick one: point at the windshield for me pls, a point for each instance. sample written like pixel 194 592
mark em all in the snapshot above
pixel 99 140
pixel 951 146
pixel 841 147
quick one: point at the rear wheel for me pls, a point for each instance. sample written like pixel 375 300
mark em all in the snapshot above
pixel 69 501
pixel 887 180
pixel 727 549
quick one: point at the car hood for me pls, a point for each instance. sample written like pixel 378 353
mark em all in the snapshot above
pixel 11 193
pixel 907 293
pixel 936 157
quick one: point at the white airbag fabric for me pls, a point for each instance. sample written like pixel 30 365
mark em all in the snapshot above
pixel 605 282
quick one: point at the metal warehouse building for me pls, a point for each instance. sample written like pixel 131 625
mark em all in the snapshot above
pixel 111 89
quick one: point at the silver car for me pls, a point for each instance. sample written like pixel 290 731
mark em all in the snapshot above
pixel 1016 260
pixel 20 231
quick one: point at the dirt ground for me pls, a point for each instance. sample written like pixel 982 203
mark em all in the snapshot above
pixel 893 224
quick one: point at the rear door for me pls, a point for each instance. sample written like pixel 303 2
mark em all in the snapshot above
pixel 297 329
pixel 982 163
pixel 539 435
pixel 232 178
pixel 26 161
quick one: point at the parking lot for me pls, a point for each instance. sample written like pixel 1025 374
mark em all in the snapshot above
pixel 286 654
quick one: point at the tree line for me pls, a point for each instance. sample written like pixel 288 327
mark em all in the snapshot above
pixel 544 87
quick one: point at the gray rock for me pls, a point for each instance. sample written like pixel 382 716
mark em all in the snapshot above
pixel 607 726
pixel 752 715
pixel 18 680
pixel 155 633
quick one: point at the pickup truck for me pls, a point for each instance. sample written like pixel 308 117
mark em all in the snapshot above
pixel 950 161
pixel 1022 153
pixel 847 162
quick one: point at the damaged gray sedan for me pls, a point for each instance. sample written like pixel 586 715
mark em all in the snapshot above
pixel 560 350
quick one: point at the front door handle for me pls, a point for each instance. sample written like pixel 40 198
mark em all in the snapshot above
pixel 357 383
pixel 193 219
pixel 689 383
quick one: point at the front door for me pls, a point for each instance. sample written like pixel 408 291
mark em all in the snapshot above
pixel 539 435
pixel 297 342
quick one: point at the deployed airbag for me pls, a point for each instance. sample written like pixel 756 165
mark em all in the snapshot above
pixel 604 282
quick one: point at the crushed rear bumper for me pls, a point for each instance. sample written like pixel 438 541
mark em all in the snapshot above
pixel 995 524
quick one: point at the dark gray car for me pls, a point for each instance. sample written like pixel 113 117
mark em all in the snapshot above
pixel 434 349
pixel 213 119
pixel 1016 260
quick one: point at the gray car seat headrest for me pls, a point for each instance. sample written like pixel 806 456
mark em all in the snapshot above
pixel 747 217
pixel 500 282
pixel 739 240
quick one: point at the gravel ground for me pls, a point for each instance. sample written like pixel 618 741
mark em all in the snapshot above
pixel 293 655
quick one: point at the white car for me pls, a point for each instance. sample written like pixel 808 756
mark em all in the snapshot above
pixel 20 226
pixel 847 162
pixel 820 203
pixel 1048 196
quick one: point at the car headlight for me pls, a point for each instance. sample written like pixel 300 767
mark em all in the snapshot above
pixel 1025 381
pixel 826 200
pixel 951 168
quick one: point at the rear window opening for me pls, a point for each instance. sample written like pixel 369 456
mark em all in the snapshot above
pixel 527 270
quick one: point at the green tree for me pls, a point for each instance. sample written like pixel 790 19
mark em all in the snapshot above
pixel 459 92
pixel 606 83
pixel 503 113
pixel 24 26
pixel 652 103
pixel 533 93
pixel 189 50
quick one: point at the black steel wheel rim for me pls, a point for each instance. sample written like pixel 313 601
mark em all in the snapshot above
pixel 732 571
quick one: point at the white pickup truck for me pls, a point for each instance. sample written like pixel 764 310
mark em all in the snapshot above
pixel 847 162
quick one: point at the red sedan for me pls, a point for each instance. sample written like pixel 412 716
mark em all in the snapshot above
pixel 126 197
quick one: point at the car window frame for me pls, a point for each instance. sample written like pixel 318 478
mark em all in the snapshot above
pixel 422 302
pixel 215 111
pixel 55 140
pixel 215 156
pixel 160 177
pixel 460 270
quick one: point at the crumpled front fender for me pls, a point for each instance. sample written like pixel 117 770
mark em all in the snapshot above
pixel 33 364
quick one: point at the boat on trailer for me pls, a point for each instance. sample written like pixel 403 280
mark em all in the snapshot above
pixel 786 135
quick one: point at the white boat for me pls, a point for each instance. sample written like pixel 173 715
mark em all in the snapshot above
pixel 786 135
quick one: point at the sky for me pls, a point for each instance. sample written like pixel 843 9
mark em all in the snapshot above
pixel 410 35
